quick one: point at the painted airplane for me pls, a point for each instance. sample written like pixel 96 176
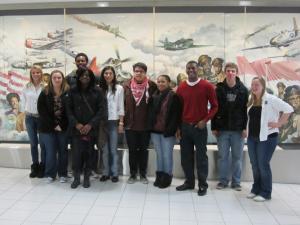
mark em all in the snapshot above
pixel 44 64
pixel 59 34
pixel 180 44
pixel 284 39
pixel 43 43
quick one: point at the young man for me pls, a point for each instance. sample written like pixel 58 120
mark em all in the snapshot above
pixel 137 92
pixel 229 126
pixel 81 61
pixel 195 94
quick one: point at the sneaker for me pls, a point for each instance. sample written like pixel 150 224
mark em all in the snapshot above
pixel 259 198
pixel 63 180
pixel 104 178
pixel 251 195
pixel 131 179
pixel 49 180
pixel 144 179
pixel 221 186
pixel 115 179
pixel 236 187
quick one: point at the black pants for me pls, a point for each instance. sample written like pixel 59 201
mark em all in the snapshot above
pixel 138 142
pixel 190 137
pixel 82 155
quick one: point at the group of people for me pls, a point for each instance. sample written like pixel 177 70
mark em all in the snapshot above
pixel 85 111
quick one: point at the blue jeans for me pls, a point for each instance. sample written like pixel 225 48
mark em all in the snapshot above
pixel 192 137
pixel 260 154
pixel 230 140
pixel 56 153
pixel 110 154
pixel 31 123
pixel 164 152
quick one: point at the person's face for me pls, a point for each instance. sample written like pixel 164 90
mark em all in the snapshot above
pixel 46 79
pixel 231 73
pixel 81 61
pixel 36 75
pixel 280 89
pixel 57 80
pixel 217 68
pixel 256 88
pixel 192 71
pixel 14 103
pixel 162 83
pixel 108 76
pixel 206 67
pixel 139 74
pixel 294 100
pixel 85 79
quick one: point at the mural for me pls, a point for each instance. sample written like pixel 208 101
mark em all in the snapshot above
pixel 261 44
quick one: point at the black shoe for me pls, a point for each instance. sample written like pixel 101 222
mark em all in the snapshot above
pixel 104 178
pixel 158 178
pixel 75 183
pixel 34 170
pixel 115 179
pixel 202 191
pixel 166 180
pixel 86 181
pixel 184 187
pixel 41 171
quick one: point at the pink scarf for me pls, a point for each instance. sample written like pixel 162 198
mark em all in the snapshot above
pixel 138 90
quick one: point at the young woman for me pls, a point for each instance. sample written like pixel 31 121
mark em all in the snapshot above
pixel 264 120
pixel 29 98
pixel 53 126
pixel 164 119
pixel 115 101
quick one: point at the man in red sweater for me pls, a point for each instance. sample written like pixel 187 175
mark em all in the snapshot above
pixel 195 94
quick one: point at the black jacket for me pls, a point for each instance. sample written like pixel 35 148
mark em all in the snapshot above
pixel 45 108
pixel 78 110
pixel 231 117
pixel 173 115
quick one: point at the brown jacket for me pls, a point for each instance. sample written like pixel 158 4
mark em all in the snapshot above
pixel 136 117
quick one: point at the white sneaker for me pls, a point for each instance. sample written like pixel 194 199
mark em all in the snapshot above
pixel 251 195
pixel 63 180
pixel 49 180
pixel 259 198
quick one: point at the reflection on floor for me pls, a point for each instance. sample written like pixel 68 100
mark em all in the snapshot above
pixel 34 202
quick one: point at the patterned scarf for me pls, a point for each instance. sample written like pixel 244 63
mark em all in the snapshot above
pixel 138 90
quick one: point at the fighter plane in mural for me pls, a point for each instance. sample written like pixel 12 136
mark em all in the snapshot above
pixel 260 29
pixel 59 34
pixel 43 43
pixel 44 64
pixel 180 44
pixel 101 26
pixel 284 39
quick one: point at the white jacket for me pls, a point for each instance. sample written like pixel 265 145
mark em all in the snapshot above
pixel 271 107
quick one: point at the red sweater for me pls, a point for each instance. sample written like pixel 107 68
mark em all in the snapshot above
pixel 195 101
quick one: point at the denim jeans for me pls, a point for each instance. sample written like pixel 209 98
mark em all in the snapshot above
pixel 164 152
pixel 31 123
pixel 110 154
pixel 56 153
pixel 260 154
pixel 230 140
pixel 194 137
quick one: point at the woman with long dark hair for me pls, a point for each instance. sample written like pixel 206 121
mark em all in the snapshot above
pixel 53 126
pixel 115 103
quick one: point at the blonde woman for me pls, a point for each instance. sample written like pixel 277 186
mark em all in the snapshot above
pixel 30 96
pixel 264 120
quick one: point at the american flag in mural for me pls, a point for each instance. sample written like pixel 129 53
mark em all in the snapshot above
pixel 11 82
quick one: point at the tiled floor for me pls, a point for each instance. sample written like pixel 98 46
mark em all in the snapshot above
pixel 34 202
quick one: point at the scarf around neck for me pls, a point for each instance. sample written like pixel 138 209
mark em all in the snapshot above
pixel 138 90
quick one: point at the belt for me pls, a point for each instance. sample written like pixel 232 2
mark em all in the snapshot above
pixel 31 114
pixel 190 124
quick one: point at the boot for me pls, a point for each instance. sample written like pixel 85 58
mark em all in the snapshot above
pixel 34 170
pixel 76 180
pixel 86 180
pixel 158 178
pixel 166 180
pixel 41 171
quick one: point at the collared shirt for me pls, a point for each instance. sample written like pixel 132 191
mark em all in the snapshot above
pixel 29 97
pixel 115 103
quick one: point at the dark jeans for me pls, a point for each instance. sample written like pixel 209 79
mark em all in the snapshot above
pixel 138 142
pixel 190 137
pixel 31 123
pixel 56 153
pixel 82 154
pixel 260 154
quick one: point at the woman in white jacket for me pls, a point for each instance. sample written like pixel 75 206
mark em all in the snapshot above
pixel 264 119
